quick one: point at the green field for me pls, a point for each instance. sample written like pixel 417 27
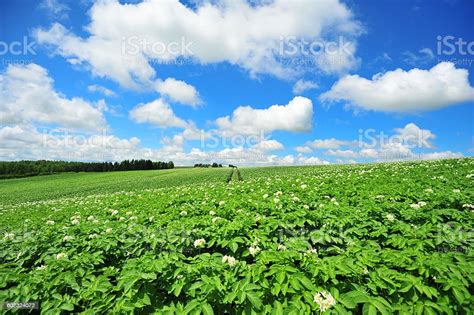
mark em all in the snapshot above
pixel 375 238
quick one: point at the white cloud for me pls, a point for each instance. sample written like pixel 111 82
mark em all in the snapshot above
pixel 102 90
pixel 56 9
pixel 413 135
pixel 157 113
pixel 342 153
pixel 296 116
pixel 441 155
pixel 405 91
pixel 178 91
pixel 268 145
pixel 303 149
pixel 27 95
pixel 303 85
pixel 212 32
pixel 331 143
pixel 311 160
pixel 425 55
pixel 26 142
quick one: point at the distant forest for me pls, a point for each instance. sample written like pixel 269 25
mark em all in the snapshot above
pixel 43 167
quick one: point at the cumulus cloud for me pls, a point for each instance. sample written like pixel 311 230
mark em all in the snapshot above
pixel 268 145
pixel 296 116
pixel 178 91
pixel 26 142
pixel 208 33
pixel 303 85
pixel 303 149
pixel 331 143
pixel 157 113
pixel 27 95
pixel 403 144
pixel 405 91
pixel 413 135
pixel 95 88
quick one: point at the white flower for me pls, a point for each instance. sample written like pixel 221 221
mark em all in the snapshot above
pixel 221 203
pixel 231 261
pixel 151 219
pixel 311 251
pixel 93 235
pixel 114 212
pixel 306 207
pixel 61 256
pixel 199 242
pixel 212 213
pixel 278 193
pixel 296 199
pixel 9 236
pixel 422 203
pixel 276 200
pixel 50 222
pixel 365 271
pixel 68 238
pixel 325 300
pixel 183 213
pixel 456 191
pixel 179 277
pixel 415 206
pixel 429 190
pixel 281 247
pixel 109 230
pixel 133 218
pixel 214 220
pixel 95 221
pixel 468 205
pixel 265 196
pixel 75 222
pixel 90 218
pixel 253 250
pixel 42 267
pixel 304 186
pixel 390 217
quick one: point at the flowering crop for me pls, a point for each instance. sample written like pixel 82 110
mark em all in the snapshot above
pixel 380 238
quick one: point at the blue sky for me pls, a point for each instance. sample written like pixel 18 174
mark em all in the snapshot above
pixel 83 93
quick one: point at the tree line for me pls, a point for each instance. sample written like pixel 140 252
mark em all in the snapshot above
pixel 207 165
pixel 44 167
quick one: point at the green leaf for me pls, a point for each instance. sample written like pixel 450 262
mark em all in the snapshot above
pixel 207 309
pixel 254 299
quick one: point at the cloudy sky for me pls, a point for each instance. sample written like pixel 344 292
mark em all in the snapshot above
pixel 256 82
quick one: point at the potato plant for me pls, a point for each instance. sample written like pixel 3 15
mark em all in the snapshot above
pixel 380 238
